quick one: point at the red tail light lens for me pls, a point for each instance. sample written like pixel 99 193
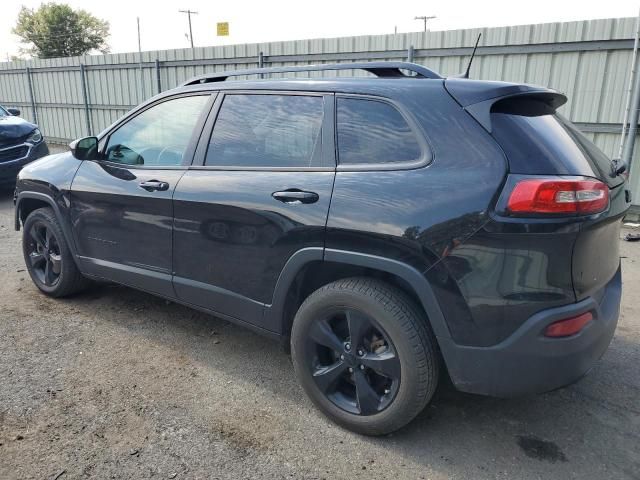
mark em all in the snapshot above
pixel 540 196
pixel 569 326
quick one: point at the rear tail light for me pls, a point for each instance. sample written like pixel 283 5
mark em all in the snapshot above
pixel 553 196
pixel 569 326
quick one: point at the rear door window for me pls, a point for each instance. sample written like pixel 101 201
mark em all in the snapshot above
pixel 373 132
pixel 254 130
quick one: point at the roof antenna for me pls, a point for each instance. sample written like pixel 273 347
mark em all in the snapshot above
pixel 473 54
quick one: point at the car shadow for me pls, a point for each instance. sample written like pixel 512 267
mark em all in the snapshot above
pixel 543 435
pixel 6 192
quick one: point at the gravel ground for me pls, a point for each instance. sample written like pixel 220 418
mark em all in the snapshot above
pixel 115 383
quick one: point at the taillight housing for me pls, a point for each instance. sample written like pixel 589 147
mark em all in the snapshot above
pixel 542 196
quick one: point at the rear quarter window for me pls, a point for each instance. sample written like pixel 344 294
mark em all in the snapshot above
pixel 373 132
pixel 538 141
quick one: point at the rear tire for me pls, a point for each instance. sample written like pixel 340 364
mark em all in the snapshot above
pixel 49 261
pixel 365 355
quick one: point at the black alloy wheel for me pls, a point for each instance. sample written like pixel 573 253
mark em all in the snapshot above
pixel 353 362
pixel 47 256
pixel 365 354
pixel 43 253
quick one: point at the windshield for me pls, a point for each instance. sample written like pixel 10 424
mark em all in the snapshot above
pixel 3 112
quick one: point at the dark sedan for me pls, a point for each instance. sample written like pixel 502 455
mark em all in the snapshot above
pixel 21 142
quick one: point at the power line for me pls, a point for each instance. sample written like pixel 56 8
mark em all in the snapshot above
pixel 189 13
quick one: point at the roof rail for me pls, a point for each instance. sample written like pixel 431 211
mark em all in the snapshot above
pixel 379 69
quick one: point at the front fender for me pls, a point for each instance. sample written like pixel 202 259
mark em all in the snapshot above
pixel 49 200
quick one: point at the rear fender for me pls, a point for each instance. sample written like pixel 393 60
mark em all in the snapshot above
pixel 274 313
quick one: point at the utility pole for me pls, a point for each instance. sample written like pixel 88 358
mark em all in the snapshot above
pixel 632 74
pixel 189 13
pixel 141 78
pixel 634 115
pixel 425 19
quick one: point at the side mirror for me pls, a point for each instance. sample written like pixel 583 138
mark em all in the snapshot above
pixel 85 148
pixel 14 111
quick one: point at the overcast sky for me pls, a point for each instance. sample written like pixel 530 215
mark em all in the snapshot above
pixel 268 20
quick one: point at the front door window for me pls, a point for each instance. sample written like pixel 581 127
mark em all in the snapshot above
pixel 157 137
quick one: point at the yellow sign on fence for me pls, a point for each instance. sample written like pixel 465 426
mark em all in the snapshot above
pixel 223 29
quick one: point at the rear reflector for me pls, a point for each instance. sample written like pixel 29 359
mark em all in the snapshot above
pixel 569 326
pixel 540 196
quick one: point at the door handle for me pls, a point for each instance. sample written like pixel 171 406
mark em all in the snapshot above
pixel 294 196
pixel 154 185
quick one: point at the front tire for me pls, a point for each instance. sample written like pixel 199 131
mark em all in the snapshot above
pixel 365 354
pixel 47 256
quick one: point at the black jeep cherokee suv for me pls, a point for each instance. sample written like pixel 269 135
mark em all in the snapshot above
pixel 389 229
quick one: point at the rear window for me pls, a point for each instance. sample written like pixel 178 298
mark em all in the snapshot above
pixel 372 132
pixel 538 141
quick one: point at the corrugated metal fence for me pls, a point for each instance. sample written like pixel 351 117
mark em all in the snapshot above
pixel 587 60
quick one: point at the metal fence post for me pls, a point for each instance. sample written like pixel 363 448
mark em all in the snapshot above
pixel 158 76
pixel 83 82
pixel 261 62
pixel 34 112
pixel 410 54
pixel 634 115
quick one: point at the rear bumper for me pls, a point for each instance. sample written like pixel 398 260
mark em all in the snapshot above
pixel 9 169
pixel 527 362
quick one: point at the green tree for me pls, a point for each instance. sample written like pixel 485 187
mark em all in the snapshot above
pixel 57 30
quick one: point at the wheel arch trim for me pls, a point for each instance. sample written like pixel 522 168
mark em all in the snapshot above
pixel 56 210
pixel 273 317
pixel 413 277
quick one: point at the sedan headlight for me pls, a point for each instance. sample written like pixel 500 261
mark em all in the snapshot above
pixel 35 137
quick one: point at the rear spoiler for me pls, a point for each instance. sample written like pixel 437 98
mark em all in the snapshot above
pixel 480 98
